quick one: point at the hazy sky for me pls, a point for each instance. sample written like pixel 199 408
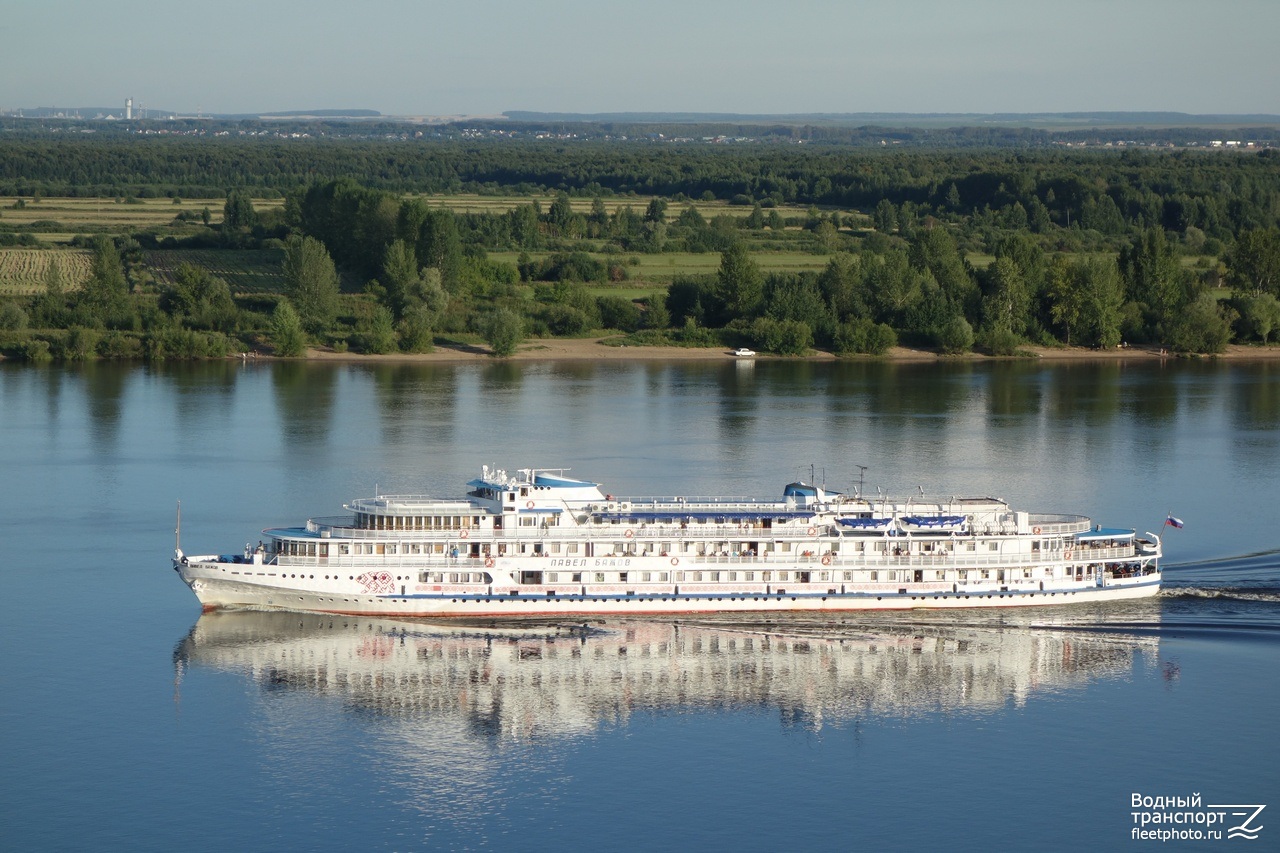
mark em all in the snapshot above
pixel 752 56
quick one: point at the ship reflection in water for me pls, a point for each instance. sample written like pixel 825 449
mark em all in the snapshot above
pixel 511 683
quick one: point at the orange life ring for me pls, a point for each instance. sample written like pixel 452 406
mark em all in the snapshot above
pixel 629 533
pixel 1066 555
pixel 488 561
pixel 1035 530
pixel 826 561
pixel 813 531
pixel 675 561
pixel 529 504
pixel 462 534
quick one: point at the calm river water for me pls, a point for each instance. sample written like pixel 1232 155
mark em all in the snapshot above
pixel 130 721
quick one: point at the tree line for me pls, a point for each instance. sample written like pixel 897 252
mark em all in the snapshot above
pixel 1218 193
pixel 424 272
pixel 1094 257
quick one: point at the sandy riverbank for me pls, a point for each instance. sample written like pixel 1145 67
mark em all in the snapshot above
pixel 591 349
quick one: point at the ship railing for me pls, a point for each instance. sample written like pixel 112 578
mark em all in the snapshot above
pixel 664 502
pixel 1058 525
pixel 1122 552
pixel 341 527
pixel 952 559
pixel 385 501
pixel 812 560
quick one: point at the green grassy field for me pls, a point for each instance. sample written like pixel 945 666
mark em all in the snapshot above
pixel 661 269
pixel 246 271
pixel 470 203
pixel 100 213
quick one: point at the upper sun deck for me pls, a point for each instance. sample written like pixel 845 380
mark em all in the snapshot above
pixel 533 486
pixel 539 491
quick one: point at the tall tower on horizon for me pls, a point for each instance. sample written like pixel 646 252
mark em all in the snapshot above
pixel 128 109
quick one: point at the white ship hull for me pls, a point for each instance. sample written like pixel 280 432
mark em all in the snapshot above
pixel 545 545
pixel 217 589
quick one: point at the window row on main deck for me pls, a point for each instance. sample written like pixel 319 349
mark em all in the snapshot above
pixel 916 575
pixel 630 548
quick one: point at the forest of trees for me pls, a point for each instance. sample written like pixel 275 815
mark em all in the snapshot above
pixel 1085 249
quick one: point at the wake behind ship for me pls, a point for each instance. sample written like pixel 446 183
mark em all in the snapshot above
pixel 537 543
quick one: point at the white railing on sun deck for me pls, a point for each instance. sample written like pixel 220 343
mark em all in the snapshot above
pixel 1100 554
pixel 1058 525
pixel 385 501
pixel 341 527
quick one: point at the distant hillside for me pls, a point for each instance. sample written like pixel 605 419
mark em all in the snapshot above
pixel 152 112
pixel 1068 120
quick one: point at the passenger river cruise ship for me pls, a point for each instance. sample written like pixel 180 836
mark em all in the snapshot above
pixel 537 543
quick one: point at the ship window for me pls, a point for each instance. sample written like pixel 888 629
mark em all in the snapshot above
pixel 766 576
pixel 893 576
pixel 571 548
pixel 939 575
pixel 599 577
pixel 749 576
pixel 679 576
pixel 552 577
pixel 993 546
pixel 344 549
pixel 577 577
pixel 782 576
pixel 422 578
pixel 663 577
pixel 964 574
pixel 875 576
pixel 697 576
pixel 453 577
pixel 848 576
pixel 986 574
pixel 646 576
pixel 733 576
pixel 391 547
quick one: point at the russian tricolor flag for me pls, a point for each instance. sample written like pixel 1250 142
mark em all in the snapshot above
pixel 1176 522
